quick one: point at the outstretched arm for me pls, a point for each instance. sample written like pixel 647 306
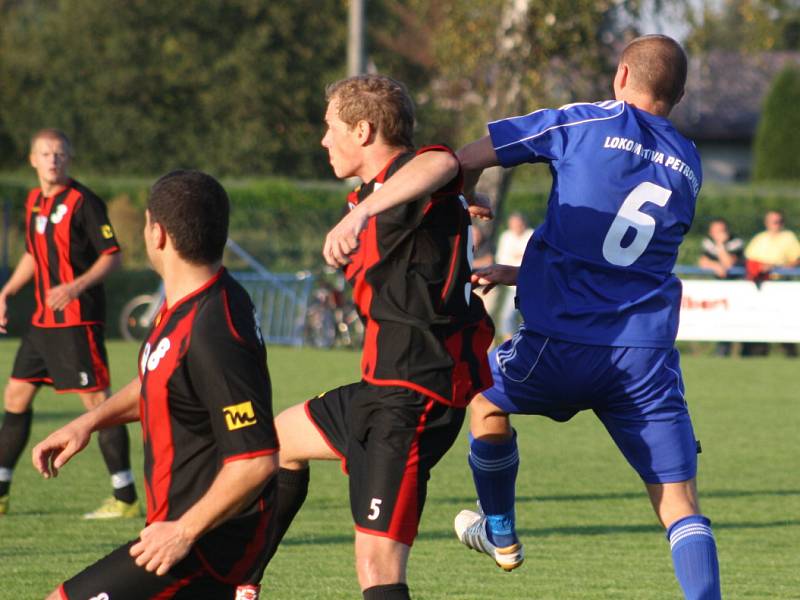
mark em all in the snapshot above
pixel 420 177
pixel 474 158
pixel 61 445
pixel 22 274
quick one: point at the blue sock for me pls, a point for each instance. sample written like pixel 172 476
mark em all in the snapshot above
pixel 694 555
pixel 494 470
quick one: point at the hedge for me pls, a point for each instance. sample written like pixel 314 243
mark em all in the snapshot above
pixel 283 223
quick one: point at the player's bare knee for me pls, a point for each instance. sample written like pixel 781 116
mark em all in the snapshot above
pixel 93 399
pixel 18 396
pixel 488 421
pixel 380 561
pixel 674 501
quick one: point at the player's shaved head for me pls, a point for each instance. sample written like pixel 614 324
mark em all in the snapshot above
pixel 52 134
pixel 381 101
pixel 657 66
pixel 193 208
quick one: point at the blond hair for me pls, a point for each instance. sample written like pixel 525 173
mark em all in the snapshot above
pixel 381 101
pixel 52 134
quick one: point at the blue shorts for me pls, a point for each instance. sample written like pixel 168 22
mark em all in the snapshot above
pixel 637 393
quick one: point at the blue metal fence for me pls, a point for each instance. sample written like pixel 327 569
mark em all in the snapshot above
pixel 280 299
pixel 281 302
pixel 734 272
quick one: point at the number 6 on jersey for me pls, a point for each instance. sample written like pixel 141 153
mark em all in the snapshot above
pixel 630 215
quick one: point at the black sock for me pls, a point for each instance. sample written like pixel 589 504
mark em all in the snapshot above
pixel 291 493
pixel 115 448
pixel 14 435
pixel 393 591
pixel 127 494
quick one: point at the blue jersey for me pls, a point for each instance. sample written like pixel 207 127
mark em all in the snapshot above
pixel 625 182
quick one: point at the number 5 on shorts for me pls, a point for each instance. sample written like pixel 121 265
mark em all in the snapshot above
pixel 375 507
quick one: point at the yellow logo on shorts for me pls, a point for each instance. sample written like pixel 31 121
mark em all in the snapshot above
pixel 239 415
pixel 107 232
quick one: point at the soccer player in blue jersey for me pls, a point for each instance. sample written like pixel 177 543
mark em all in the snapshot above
pixel 599 303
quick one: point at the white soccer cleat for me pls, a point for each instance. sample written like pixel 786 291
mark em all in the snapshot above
pixel 471 531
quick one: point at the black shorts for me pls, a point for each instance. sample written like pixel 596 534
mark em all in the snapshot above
pixel 225 564
pixel 71 359
pixel 389 438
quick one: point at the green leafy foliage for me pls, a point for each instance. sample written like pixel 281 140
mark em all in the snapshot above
pixel 743 25
pixel 232 86
pixel 776 147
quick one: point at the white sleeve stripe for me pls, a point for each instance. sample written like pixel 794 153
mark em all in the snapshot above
pixel 582 122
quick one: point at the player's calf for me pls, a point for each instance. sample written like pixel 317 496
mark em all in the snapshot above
pixel 694 556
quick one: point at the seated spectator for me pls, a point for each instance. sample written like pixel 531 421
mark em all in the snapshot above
pixel 774 247
pixel 721 249
pixel 721 252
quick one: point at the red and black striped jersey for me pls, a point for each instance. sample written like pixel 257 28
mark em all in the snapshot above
pixel 66 233
pixel 425 329
pixel 206 398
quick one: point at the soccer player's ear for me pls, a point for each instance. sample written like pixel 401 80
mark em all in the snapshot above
pixel 161 236
pixel 621 78
pixel 365 132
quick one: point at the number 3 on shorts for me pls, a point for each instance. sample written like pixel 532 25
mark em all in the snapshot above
pixel 630 215
pixel 375 507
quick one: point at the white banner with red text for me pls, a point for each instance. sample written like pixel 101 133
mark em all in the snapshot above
pixel 740 311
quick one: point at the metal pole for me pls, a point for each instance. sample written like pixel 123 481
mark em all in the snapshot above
pixel 356 61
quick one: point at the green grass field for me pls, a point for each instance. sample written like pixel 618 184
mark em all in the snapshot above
pixel 582 512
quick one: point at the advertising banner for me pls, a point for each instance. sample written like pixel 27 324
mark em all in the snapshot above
pixel 740 311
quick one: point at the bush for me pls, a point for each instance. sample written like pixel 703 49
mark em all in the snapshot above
pixel 282 223
pixel 777 146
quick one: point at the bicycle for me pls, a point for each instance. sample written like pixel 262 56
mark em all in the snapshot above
pixel 137 316
pixel 332 320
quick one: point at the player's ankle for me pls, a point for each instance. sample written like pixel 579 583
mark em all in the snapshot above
pixel 393 591
pixel 500 529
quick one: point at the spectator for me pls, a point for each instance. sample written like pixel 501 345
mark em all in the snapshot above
pixel 775 247
pixel 510 250
pixel 721 252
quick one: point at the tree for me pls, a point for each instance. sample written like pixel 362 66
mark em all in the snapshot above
pixel 744 25
pixel 776 147
pixel 230 86
pixel 487 59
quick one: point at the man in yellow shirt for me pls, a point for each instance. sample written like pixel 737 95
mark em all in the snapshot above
pixel 775 247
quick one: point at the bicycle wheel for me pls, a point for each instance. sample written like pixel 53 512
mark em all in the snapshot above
pixel 136 318
pixel 320 330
